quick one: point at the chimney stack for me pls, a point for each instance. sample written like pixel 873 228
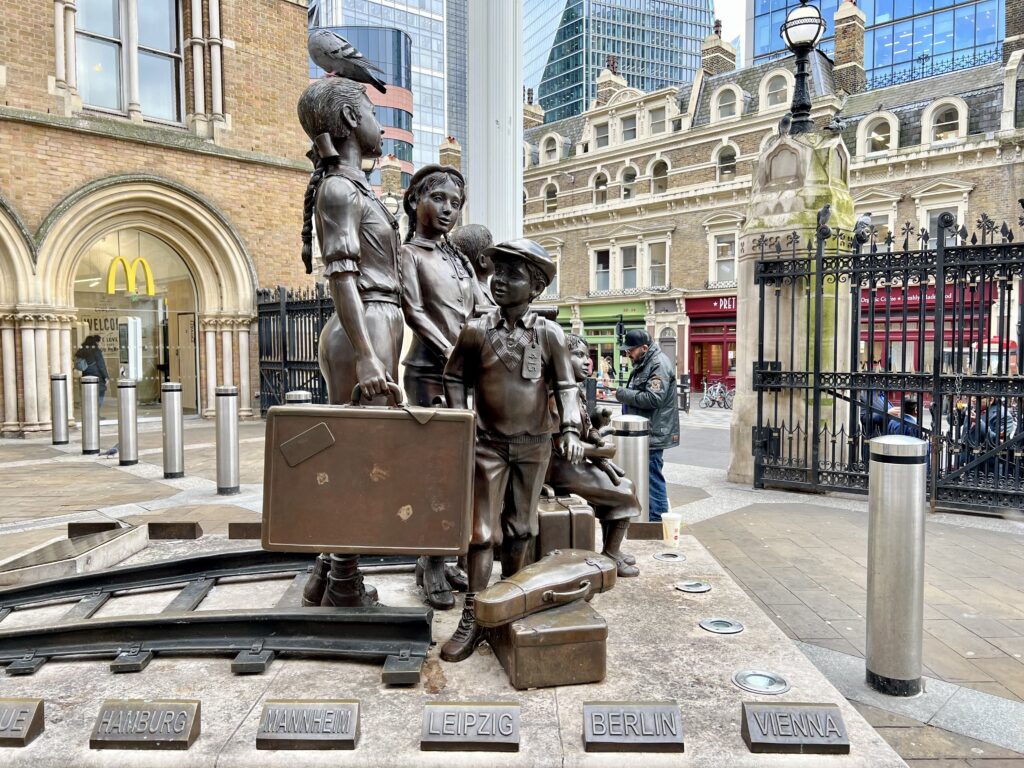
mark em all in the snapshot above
pixel 390 176
pixel 609 82
pixel 533 114
pixel 450 153
pixel 848 69
pixel 716 55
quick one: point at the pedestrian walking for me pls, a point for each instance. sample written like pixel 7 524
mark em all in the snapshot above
pixel 89 362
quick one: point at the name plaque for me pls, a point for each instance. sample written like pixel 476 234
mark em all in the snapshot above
pixel 145 724
pixel 470 727
pixel 628 726
pixel 21 720
pixel 795 728
pixel 327 724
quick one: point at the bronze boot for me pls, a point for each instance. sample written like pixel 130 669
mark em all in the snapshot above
pixel 313 592
pixel 456 575
pixel 616 533
pixel 467 635
pixel 606 526
pixel 430 574
pixel 345 588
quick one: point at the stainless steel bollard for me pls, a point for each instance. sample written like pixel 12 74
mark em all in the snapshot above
pixel 59 407
pixel 298 397
pixel 174 430
pixel 227 440
pixel 632 453
pixel 895 612
pixel 127 423
pixel 90 415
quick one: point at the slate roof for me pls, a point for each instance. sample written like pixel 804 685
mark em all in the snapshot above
pixel 570 128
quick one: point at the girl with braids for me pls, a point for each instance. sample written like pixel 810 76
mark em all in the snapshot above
pixel 439 293
pixel 359 242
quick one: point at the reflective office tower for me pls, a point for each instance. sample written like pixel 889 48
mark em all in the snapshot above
pixel 903 39
pixel 437 29
pixel 566 44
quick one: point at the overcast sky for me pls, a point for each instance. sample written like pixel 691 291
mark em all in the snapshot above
pixel 732 13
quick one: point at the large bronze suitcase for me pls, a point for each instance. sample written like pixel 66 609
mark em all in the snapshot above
pixel 360 480
pixel 558 578
pixel 564 522
pixel 563 646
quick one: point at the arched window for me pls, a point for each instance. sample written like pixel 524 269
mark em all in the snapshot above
pixel 550 150
pixel 550 198
pixel 879 136
pixel 726 104
pixel 946 124
pixel 659 178
pixel 628 183
pixel 727 164
pixel 600 189
pixel 777 91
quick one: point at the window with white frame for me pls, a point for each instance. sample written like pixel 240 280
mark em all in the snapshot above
pixel 727 164
pixel 726 104
pixel 628 183
pixel 629 128
pixel 946 124
pixel 881 223
pixel 551 292
pixel 879 136
pixel 933 225
pixel 657 258
pixel 550 150
pixel 627 256
pixel 658 120
pixel 725 258
pixel 102 56
pixel 601 135
pixel 777 91
pixel 550 198
pixel 659 178
pixel 600 189
pixel 602 269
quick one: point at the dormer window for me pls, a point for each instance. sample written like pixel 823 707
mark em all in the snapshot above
pixel 946 125
pixel 629 128
pixel 726 104
pixel 550 150
pixel 658 120
pixel 777 92
pixel 879 136
pixel 601 135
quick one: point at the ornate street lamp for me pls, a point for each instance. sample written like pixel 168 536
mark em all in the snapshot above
pixel 801 31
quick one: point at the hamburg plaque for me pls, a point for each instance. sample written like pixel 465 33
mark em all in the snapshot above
pixel 145 724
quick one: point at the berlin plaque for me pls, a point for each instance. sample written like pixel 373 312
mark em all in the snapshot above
pixel 327 724
pixel 145 724
pixel 491 726
pixel 797 728
pixel 628 726
pixel 21 720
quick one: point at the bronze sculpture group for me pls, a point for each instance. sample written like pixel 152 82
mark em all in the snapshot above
pixel 476 344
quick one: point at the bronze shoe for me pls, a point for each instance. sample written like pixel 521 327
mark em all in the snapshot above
pixel 467 636
pixel 430 575
pixel 345 587
pixel 456 578
pixel 313 592
pixel 624 568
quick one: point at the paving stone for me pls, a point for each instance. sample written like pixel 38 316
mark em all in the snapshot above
pixel 934 743
pixel 827 606
pixel 881 718
pixel 949 664
pixel 961 639
pixel 982 716
pixel 804 622
pixel 1009 672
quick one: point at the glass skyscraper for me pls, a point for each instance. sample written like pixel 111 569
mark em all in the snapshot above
pixel 566 44
pixel 438 31
pixel 903 39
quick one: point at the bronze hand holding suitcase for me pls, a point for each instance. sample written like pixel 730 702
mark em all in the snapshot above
pixel 556 579
pixel 364 480
pixel 564 522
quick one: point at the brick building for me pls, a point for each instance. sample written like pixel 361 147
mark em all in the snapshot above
pixel 160 131
pixel 642 198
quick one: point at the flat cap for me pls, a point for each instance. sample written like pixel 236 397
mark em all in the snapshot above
pixel 528 250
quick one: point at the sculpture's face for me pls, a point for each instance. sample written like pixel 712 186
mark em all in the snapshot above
pixel 580 361
pixel 511 284
pixel 437 210
pixel 368 132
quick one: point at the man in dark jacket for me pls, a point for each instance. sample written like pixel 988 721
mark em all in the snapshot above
pixel 651 393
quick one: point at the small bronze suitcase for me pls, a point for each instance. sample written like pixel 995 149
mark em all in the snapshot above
pixel 559 577
pixel 563 646
pixel 564 522
pixel 368 480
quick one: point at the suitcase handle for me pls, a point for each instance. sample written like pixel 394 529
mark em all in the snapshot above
pixel 393 392
pixel 561 598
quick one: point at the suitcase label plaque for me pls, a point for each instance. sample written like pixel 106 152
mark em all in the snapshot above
pixel 307 445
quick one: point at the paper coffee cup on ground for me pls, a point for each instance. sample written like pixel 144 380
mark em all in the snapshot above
pixel 671 522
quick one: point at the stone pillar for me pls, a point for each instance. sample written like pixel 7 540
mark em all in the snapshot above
pixel 794 177
pixel 244 389
pixel 848 70
pixel 42 373
pixel 60 71
pixel 70 56
pixel 132 44
pixel 198 69
pixel 67 366
pixel 716 55
pixel 227 357
pixel 210 350
pixel 494 127
pixel 30 418
pixel 216 80
pixel 10 370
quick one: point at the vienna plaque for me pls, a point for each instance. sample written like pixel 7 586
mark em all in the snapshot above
pixel 21 720
pixel 628 726
pixel 327 724
pixel 145 724
pixel 470 727
pixel 798 728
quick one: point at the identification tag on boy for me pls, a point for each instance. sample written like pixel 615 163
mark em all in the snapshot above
pixel 532 361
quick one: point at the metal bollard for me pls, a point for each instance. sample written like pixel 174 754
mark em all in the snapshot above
pixel 59 407
pixel 90 415
pixel 127 423
pixel 632 453
pixel 227 440
pixel 174 430
pixel 298 397
pixel 895 610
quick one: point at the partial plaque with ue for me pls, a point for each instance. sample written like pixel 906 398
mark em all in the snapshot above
pixel 21 720
pixel 324 724
pixel 632 726
pixel 490 726
pixel 795 728
pixel 146 724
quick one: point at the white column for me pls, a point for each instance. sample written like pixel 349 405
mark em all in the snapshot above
pixel 42 374
pixel 227 363
pixel 28 373
pixel 198 61
pixel 66 365
pixel 58 43
pixel 10 368
pixel 244 394
pixel 132 44
pixel 494 127
pixel 211 369
pixel 70 57
pixel 216 86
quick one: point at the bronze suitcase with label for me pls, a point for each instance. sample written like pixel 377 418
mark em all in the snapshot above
pixel 559 577
pixel 563 646
pixel 368 480
pixel 564 522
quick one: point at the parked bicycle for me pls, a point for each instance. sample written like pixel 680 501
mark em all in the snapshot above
pixel 716 393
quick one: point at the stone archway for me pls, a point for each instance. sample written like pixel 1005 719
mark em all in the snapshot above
pixel 17 264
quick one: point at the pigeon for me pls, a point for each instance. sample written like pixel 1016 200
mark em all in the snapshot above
pixel 111 451
pixel 336 56
pixel 824 215
pixel 862 228
pixel 785 124
pixel 836 125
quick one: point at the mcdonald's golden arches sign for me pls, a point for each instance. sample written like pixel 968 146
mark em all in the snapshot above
pixel 130 275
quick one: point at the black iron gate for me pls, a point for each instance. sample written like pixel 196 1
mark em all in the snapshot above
pixel 856 340
pixel 289 336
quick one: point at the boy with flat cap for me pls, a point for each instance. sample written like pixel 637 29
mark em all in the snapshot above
pixel 511 359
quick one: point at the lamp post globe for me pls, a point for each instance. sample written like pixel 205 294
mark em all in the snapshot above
pixel 801 31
